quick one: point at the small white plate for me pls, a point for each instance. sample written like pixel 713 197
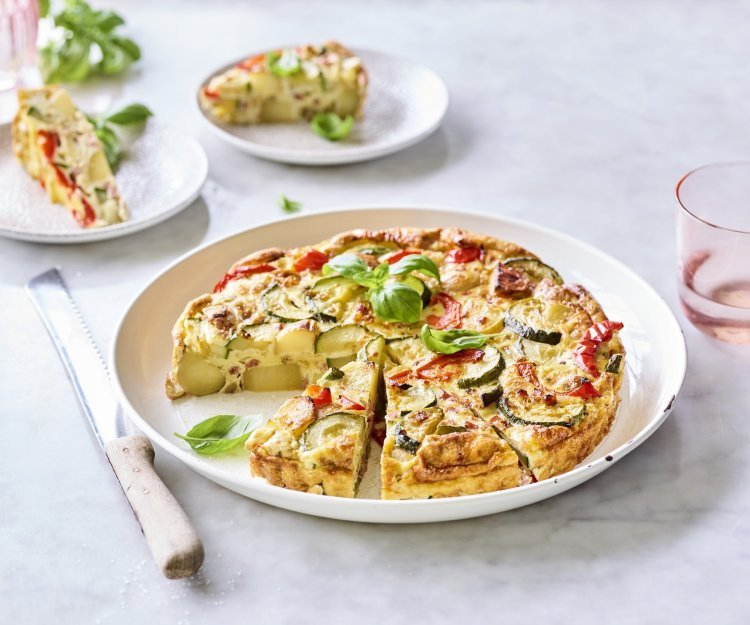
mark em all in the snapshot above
pixel 161 173
pixel 405 103
pixel 142 346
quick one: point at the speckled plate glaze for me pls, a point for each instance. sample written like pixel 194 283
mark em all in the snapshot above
pixel 405 103
pixel 141 352
pixel 161 173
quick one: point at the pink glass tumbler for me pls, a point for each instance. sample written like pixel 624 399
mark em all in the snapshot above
pixel 713 249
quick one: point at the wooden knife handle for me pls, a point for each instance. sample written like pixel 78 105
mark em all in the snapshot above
pixel 173 542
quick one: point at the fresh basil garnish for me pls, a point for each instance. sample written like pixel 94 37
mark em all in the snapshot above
pixel 285 64
pixel 103 127
pixel 289 206
pixel 68 58
pixel 452 341
pixel 332 127
pixel 221 433
pixel 415 262
pixel 391 300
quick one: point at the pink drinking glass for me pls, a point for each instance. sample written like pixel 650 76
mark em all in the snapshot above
pixel 713 249
pixel 18 32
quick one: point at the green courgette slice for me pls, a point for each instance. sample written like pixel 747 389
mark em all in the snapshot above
pixel 534 269
pixel 567 415
pixel 613 366
pixel 279 303
pixel 408 350
pixel 490 394
pixel 484 371
pixel 404 441
pixel 449 429
pixel 526 318
pixel 416 398
pixel 326 430
pixel 333 373
pixel 341 341
pixel 373 351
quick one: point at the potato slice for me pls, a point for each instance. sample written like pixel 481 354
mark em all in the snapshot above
pixel 286 377
pixel 197 376
pixel 295 340
pixel 296 414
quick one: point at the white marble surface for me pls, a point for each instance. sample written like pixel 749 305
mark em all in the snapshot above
pixel 581 115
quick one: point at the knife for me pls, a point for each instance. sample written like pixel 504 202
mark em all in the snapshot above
pixel 171 537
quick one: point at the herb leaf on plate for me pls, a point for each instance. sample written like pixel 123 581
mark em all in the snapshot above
pixel 289 206
pixel 82 34
pixel 330 126
pixel 221 433
pixel 104 128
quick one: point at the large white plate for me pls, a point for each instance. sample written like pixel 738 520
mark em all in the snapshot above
pixel 405 103
pixel 162 173
pixel 142 348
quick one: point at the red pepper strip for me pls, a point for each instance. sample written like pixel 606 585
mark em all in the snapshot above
pixel 378 432
pixel 252 62
pixel 312 260
pixel 241 272
pixel 463 255
pixel 348 403
pixel 49 142
pixel 584 354
pixel 210 94
pixel 464 356
pixel 586 391
pixel 320 395
pixel 451 317
pixel 89 215
pixel 397 256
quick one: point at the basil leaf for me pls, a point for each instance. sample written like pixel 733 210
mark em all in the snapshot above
pixel 43 8
pixel 396 302
pixel 346 265
pixel 289 206
pixel 84 31
pixel 131 114
pixel 330 126
pixel 452 341
pixel 285 64
pixel 220 433
pixel 381 272
pixel 415 262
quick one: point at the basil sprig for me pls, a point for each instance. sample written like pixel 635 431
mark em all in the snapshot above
pixel 390 300
pixel 83 34
pixel 104 128
pixel 221 433
pixel 452 341
pixel 332 127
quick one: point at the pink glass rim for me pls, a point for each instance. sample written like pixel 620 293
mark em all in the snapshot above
pixel 700 169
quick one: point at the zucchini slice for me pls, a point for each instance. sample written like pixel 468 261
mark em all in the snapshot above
pixel 490 394
pixel 613 366
pixel 535 269
pixel 527 319
pixel 279 303
pixel 326 430
pixel 373 351
pixel 341 341
pixel 340 361
pixel 333 373
pixel 404 441
pixel 407 351
pixel 259 337
pixel 485 371
pixel 415 398
pixel 449 429
pixel 567 415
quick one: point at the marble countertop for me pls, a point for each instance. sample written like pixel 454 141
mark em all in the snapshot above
pixel 579 115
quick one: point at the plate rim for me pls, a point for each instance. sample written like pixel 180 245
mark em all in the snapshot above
pixel 127 227
pixel 343 508
pixel 322 157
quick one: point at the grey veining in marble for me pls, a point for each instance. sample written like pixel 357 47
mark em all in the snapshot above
pixel 581 115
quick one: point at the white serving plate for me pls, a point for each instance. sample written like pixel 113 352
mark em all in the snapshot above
pixel 161 173
pixel 141 352
pixel 405 103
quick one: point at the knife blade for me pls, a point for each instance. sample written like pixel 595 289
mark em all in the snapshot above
pixel 171 537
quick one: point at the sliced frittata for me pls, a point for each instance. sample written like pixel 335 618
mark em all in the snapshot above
pixel 288 85
pixel 57 145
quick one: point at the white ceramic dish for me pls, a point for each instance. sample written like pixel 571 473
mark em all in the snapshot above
pixel 405 103
pixel 162 173
pixel 141 353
